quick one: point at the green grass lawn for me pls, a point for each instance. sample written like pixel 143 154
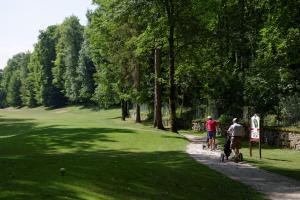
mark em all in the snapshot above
pixel 282 161
pixel 104 158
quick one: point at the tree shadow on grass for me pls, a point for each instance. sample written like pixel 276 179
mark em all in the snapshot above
pixel 13 127
pixel 175 137
pixel 147 122
pixel 29 138
pixel 54 139
pixel 282 160
pixel 90 107
pixel 119 117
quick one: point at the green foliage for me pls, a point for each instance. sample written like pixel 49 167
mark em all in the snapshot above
pixel 14 91
pixel 290 109
pixel 15 79
pixel 48 41
pixel 41 66
pixel 86 70
pixel 3 102
pixel 23 77
pixel 105 96
pixel 236 53
pixel 70 38
pixel 270 120
pixel 108 37
pixel 34 74
pixel 225 119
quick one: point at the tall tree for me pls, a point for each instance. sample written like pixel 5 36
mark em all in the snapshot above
pixel 41 65
pixel 23 75
pixel 110 54
pixel 14 91
pixel 14 79
pixel 66 63
pixel 86 70
pixel 3 102
pixel 157 101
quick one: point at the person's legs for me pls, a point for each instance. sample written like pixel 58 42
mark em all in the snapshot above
pixel 207 140
pixel 210 144
pixel 210 136
pixel 238 145
pixel 233 146
pixel 236 152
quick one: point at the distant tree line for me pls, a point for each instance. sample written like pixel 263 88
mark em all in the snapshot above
pixel 235 52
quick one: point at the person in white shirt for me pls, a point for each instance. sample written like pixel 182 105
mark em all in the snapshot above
pixel 237 132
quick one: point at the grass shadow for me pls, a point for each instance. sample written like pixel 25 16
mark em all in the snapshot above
pixel 176 137
pixel 115 118
pixel 90 107
pixel 11 126
pixel 282 160
pixel 19 136
pixel 147 122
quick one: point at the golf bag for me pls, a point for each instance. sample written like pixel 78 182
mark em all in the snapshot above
pixel 227 150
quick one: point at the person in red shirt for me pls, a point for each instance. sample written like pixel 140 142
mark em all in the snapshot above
pixel 211 127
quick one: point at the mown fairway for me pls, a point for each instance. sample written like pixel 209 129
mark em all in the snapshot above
pixel 104 159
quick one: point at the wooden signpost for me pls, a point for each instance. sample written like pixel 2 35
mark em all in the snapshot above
pixel 255 134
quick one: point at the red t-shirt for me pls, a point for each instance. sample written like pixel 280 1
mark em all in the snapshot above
pixel 211 125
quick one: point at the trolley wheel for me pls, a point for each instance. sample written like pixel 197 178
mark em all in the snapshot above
pixel 222 157
pixel 241 157
pixel 236 159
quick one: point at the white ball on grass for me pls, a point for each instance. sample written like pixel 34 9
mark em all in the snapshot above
pixel 62 171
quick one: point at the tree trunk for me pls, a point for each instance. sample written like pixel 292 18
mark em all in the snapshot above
pixel 181 106
pixel 172 96
pixel 123 109
pixel 138 114
pixel 126 109
pixel 157 93
pixel 136 79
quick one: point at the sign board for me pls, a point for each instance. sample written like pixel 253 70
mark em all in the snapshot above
pixel 255 128
pixel 255 133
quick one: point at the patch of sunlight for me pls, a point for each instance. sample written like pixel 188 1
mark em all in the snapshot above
pixel 70 150
pixel 13 157
pixel 11 109
pixel 8 136
pixel 14 195
pixel 61 110
pixel 83 192
pixel 23 182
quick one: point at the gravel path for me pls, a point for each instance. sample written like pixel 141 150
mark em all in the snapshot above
pixel 274 186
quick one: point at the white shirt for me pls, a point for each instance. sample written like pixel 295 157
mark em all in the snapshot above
pixel 236 130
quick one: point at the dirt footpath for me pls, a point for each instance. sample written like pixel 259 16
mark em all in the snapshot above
pixel 274 186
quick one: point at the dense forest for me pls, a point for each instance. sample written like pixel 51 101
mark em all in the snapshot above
pixel 234 54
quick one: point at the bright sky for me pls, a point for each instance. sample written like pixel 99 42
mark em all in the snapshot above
pixel 21 20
